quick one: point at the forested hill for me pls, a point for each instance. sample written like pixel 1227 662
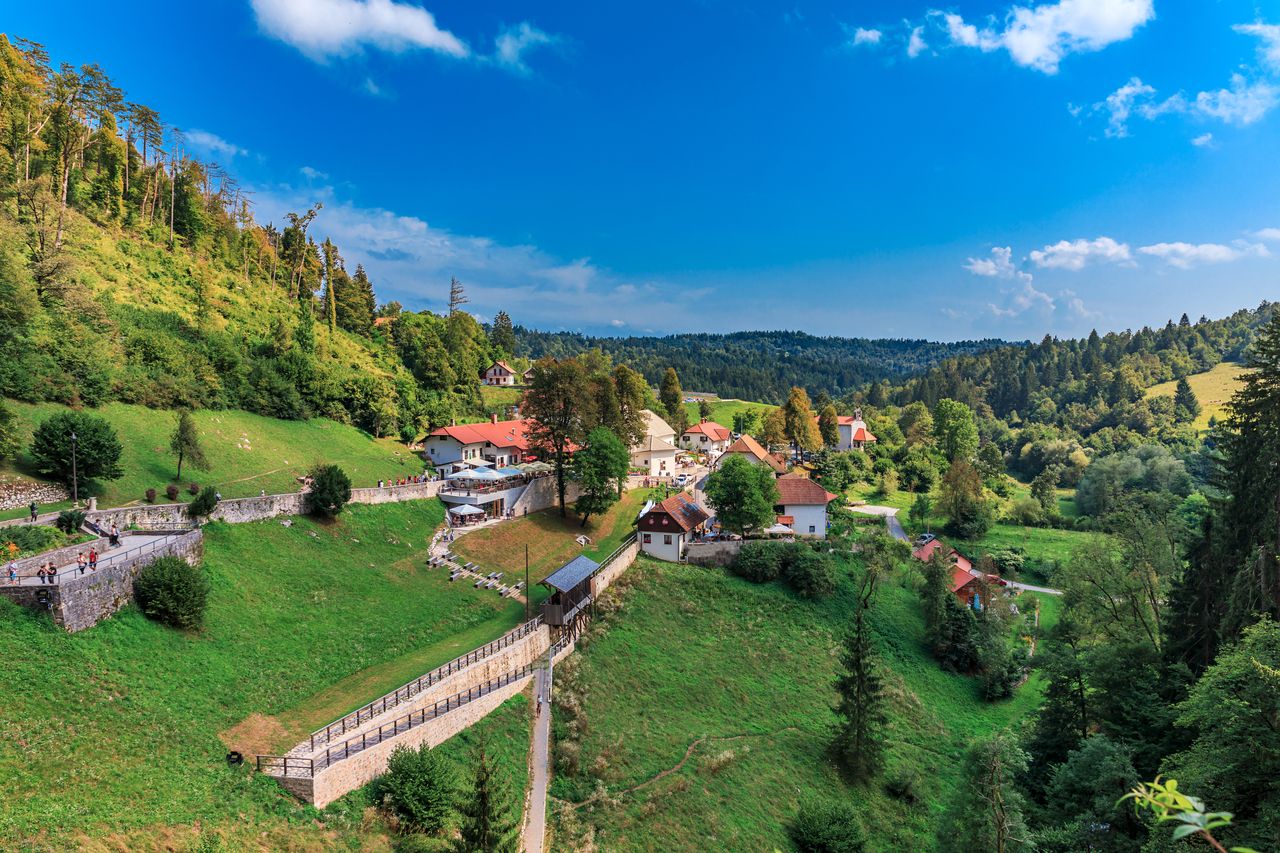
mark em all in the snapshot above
pixel 761 366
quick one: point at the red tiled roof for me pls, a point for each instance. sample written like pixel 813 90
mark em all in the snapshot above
pixel 500 434
pixel 960 578
pixel 711 429
pixel 749 446
pixel 861 434
pixel 794 490
pixel 860 431
pixel 786 519
pixel 925 552
pixel 679 509
pixel 501 364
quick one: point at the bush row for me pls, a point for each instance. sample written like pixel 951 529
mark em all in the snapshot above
pixel 809 572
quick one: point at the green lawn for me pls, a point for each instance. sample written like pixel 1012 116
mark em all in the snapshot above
pixel 499 399
pixel 119 729
pixel 722 411
pixel 1213 389
pixel 550 540
pixel 743 674
pixel 248 453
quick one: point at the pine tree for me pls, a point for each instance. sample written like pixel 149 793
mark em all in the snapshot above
pixel 1185 404
pixel 503 335
pixel 185 444
pixel 860 738
pixel 487 823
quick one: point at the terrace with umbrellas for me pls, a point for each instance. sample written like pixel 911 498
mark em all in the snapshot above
pixel 479 490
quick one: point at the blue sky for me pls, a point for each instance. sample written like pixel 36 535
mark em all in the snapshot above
pixel 858 168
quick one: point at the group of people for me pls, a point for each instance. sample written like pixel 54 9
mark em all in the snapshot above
pixel 48 571
pixel 413 480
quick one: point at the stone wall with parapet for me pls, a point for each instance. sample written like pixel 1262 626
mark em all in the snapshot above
pixel 82 601
pixel 541 494
pixel 238 510
pixel 28 566
pixel 712 553
pixel 620 564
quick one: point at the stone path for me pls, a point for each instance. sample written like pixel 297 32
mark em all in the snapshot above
pixel 129 546
pixel 535 824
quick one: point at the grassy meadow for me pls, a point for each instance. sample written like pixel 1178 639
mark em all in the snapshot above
pixel 722 411
pixel 120 731
pixel 708 702
pixel 551 540
pixel 247 453
pixel 1213 389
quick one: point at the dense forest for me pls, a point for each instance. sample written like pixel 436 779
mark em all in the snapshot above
pixel 131 270
pixel 760 366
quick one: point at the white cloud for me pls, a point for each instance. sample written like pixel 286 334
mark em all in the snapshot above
pixel 1204 140
pixel 1075 305
pixel 1269 50
pixel 1022 300
pixel 411 261
pixel 863 36
pixel 211 143
pixel 1075 255
pixel 313 174
pixel 1242 104
pixel 916 44
pixel 999 265
pixel 1271 235
pixel 1040 37
pixel 513 42
pixel 325 28
pixel 1119 105
pixel 1187 255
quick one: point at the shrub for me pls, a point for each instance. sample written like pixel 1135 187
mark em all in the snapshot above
pixel 30 539
pixel 204 503
pixel 419 787
pixel 171 492
pixel 902 786
pixel 758 562
pixel 330 490
pixel 151 496
pixel 173 592
pixel 69 521
pixel 97 449
pixel 827 826
pixel 194 488
pixel 1026 512
pixel 1008 560
pixel 808 572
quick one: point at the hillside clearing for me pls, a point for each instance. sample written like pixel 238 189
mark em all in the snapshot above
pixel 247 453
pixel 722 411
pixel 1213 389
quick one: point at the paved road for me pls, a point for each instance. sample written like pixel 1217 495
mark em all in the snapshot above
pixel 535 826
pixel 894 526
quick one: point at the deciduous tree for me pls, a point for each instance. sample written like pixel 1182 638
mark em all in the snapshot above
pixel 743 494
pixel 600 467
pixel 185 444
pixel 560 407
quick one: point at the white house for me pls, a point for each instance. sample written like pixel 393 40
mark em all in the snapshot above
pixel 707 437
pixel 499 373
pixel 667 528
pixel 498 442
pixel 802 506
pixel 751 450
pixel 655 453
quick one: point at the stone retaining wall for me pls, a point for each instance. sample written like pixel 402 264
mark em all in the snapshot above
pixel 713 553
pixel 22 492
pixel 620 564
pixel 82 601
pixel 60 557
pixel 239 510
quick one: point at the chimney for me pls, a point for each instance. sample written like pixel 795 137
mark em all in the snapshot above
pixel 493 419
pixel 704 420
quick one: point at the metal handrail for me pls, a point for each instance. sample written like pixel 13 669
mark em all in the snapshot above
pixel 407 691
pixel 355 745
pixel 627 542
pixel 166 539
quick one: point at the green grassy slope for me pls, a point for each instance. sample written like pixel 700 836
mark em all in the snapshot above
pixel 722 411
pixel 247 453
pixel 119 728
pixel 1213 389
pixel 743 674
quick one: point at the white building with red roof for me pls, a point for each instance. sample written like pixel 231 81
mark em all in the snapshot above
pixel 803 505
pixel 755 453
pixel 666 529
pixel 707 437
pixel 854 434
pixel 494 442
pixel 499 373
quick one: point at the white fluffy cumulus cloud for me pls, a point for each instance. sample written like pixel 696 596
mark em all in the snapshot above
pixel 411 261
pixel 325 28
pixel 1040 37
pixel 1075 255
pixel 1187 255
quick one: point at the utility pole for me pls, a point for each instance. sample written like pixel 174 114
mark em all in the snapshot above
pixel 75 480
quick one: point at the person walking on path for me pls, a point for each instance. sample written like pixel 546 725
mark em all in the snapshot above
pixel 114 538
pixel 34 511
pixel 81 562
pixel 93 559
pixel 13 573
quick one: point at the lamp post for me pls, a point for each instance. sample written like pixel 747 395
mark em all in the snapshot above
pixel 75 481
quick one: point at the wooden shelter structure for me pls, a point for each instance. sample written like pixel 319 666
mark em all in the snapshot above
pixel 572 586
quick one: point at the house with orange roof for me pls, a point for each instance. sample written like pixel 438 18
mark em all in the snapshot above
pixel 802 506
pixel 751 450
pixel 495 442
pixel 500 374
pixel 965 583
pixel 854 434
pixel 666 529
pixel 708 437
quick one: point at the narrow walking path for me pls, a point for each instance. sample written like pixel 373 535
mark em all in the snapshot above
pixel 130 546
pixel 535 824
